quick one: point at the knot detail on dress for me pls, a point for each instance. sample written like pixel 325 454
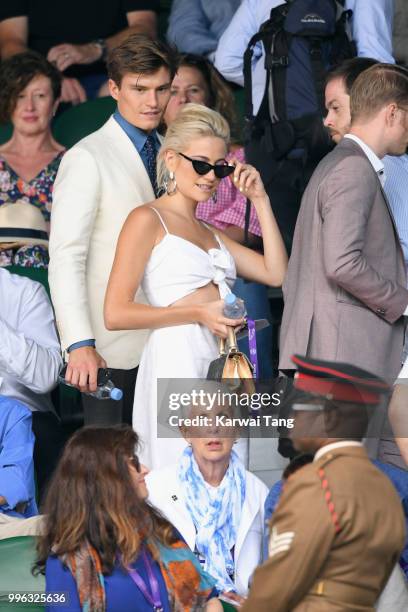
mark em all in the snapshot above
pixel 221 262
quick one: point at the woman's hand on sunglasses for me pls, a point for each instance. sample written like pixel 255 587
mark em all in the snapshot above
pixel 248 180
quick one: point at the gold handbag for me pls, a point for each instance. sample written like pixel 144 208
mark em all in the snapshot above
pixel 232 365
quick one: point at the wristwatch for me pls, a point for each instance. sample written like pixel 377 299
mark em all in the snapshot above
pixel 101 43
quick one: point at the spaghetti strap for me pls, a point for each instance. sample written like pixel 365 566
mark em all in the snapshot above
pixel 212 231
pixel 161 219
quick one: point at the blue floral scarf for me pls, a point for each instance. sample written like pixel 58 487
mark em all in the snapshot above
pixel 216 514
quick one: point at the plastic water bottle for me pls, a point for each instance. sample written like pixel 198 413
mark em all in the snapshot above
pixel 234 307
pixel 105 391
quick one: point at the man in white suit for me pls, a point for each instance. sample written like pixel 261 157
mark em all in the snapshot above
pixel 100 180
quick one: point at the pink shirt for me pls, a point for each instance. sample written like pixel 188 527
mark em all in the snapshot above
pixel 229 209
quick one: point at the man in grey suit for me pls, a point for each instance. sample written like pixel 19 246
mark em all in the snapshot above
pixel 345 290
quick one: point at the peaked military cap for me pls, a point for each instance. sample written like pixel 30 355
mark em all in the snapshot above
pixel 338 381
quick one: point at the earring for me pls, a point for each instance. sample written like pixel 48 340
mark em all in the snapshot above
pixel 172 179
pixel 214 197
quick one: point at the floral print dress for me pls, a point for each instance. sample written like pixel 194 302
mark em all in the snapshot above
pixel 37 192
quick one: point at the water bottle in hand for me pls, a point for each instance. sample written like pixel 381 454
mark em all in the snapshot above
pixel 105 390
pixel 234 307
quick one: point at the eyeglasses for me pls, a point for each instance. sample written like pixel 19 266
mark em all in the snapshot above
pixel 202 167
pixel 134 460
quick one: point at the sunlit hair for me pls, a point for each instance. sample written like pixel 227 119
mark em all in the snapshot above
pixel 219 92
pixel 193 121
pixel 377 87
pixel 92 498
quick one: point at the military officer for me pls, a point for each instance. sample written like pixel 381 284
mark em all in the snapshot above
pixel 339 528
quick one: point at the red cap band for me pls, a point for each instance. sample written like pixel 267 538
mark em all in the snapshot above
pixel 335 390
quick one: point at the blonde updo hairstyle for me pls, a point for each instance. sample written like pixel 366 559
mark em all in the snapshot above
pixel 192 122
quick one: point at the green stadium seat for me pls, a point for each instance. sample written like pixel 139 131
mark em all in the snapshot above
pixel 77 122
pixel 17 556
pixel 5 132
pixel 36 274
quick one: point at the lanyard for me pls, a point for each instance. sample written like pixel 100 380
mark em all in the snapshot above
pixel 153 597
pixel 253 353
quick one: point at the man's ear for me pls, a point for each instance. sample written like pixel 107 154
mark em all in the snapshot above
pixel 331 420
pixel 391 113
pixel 113 89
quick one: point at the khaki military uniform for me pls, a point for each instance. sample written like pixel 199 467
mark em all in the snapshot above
pixel 336 535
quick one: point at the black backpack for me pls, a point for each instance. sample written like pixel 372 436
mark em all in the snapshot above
pixel 302 39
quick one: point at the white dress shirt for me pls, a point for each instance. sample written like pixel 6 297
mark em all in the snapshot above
pixel 396 189
pixel 374 160
pixel 371 29
pixel 30 357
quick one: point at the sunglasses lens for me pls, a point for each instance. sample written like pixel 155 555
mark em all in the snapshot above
pixel 223 171
pixel 136 463
pixel 201 167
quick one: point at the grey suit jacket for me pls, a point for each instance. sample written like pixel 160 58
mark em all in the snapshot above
pixel 345 289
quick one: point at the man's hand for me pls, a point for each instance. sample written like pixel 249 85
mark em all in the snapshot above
pixel 65 55
pixel 82 368
pixel 72 91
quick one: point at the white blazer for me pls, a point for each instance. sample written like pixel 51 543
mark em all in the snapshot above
pixel 100 180
pixel 166 495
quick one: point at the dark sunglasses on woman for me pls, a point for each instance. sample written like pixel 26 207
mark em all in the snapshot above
pixel 135 462
pixel 202 167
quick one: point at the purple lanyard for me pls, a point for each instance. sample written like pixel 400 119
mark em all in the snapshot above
pixel 253 353
pixel 153 597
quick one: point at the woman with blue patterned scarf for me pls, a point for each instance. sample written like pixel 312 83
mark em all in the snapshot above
pixel 216 505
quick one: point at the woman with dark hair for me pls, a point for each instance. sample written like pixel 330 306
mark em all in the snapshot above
pixel 197 80
pixel 104 545
pixel 30 90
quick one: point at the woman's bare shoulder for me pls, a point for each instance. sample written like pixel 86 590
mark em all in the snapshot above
pixel 143 213
pixel 143 221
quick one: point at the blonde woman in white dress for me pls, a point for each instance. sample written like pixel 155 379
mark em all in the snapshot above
pixel 185 268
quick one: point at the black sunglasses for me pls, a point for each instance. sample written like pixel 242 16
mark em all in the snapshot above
pixel 202 167
pixel 135 462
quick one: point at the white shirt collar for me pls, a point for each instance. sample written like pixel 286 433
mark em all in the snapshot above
pixel 375 161
pixel 326 449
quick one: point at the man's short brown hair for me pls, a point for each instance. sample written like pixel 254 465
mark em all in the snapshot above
pixel 139 54
pixel 349 71
pixel 377 87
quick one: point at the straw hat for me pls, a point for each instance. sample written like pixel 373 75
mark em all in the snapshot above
pixel 22 223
